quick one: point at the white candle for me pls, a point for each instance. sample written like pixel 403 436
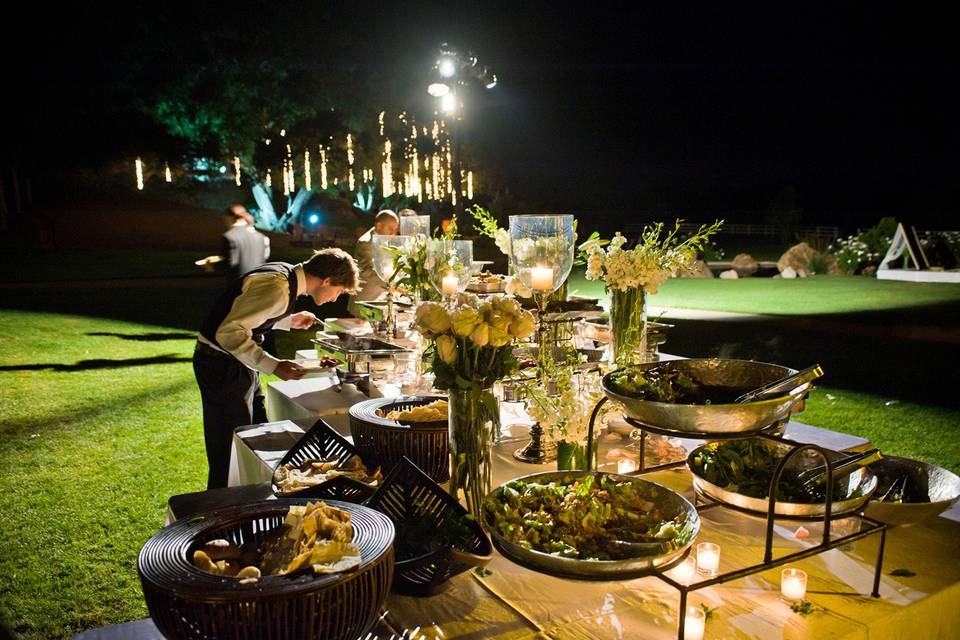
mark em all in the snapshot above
pixel 694 623
pixel 708 558
pixel 793 584
pixel 450 284
pixel 626 465
pixel 541 278
pixel 685 572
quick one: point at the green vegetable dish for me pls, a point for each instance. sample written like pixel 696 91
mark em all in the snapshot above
pixel 747 466
pixel 586 518
pixel 668 384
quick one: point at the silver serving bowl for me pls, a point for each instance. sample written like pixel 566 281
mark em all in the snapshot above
pixel 671 504
pixel 858 486
pixel 713 419
pixel 930 490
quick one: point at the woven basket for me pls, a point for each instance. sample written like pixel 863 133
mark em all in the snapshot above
pixel 321 442
pixel 186 602
pixel 387 441
pixel 408 494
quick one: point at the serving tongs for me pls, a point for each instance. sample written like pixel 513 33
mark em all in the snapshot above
pixel 815 476
pixel 783 386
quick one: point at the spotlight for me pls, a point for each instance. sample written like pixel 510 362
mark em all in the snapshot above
pixel 447 67
pixel 448 103
pixel 313 219
pixel 438 89
pixel 223 169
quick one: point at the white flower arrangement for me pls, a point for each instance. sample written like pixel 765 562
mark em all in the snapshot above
pixel 649 264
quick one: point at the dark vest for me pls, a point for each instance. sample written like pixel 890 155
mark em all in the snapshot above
pixel 223 305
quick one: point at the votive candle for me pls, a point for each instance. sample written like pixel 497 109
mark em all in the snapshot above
pixel 541 279
pixel 793 584
pixel 685 572
pixel 450 284
pixel 708 558
pixel 626 465
pixel 694 624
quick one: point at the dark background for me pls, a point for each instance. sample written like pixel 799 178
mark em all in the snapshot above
pixel 844 111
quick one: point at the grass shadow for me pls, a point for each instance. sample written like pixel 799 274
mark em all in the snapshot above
pixel 144 337
pixel 87 365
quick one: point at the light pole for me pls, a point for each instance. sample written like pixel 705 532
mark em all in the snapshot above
pixel 449 79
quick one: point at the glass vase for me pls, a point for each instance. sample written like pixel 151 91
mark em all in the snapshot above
pixel 628 326
pixel 474 416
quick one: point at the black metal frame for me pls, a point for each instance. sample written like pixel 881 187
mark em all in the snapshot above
pixel 769 562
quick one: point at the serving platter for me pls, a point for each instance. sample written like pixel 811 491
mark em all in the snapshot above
pixel 858 486
pixel 661 556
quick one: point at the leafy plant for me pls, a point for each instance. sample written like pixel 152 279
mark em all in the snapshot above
pixel 805 607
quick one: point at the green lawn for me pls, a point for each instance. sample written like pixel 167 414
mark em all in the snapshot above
pixel 802 296
pixel 98 431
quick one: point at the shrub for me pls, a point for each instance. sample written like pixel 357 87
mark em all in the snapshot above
pixel 865 247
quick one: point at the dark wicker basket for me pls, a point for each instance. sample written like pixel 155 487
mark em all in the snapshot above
pixel 407 493
pixel 387 441
pixel 186 602
pixel 322 442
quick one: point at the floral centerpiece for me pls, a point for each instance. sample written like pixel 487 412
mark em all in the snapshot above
pixel 471 346
pixel 632 274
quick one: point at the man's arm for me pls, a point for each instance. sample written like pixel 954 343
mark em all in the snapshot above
pixel 263 297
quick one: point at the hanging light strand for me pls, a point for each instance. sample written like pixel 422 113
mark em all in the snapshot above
pixel 138 169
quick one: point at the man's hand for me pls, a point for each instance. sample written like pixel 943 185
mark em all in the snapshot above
pixel 289 370
pixel 302 320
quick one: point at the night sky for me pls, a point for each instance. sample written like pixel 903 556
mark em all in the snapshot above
pixel 610 110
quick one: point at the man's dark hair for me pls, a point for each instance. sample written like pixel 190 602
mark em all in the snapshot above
pixel 336 264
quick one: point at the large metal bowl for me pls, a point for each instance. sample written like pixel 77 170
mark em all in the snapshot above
pixel 713 419
pixel 670 503
pixel 858 486
pixel 930 491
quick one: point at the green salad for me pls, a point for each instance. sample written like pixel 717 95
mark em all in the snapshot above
pixel 583 518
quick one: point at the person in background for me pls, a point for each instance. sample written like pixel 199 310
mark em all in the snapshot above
pixel 244 248
pixel 407 212
pixel 229 359
pixel 372 287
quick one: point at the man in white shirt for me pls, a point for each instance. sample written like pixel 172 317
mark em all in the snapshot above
pixel 229 358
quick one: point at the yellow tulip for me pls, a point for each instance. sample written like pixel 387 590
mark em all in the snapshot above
pixel 481 335
pixel 499 336
pixel 447 348
pixel 432 317
pixel 464 320
pixel 523 326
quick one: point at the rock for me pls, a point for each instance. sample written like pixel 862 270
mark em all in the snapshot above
pixel 870 271
pixel 698 269
pixel 745 265
pixel 729 274
pixel 788 273
pixel 799 256
pixel 801 273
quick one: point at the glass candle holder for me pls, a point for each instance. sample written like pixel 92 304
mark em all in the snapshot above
pixel 708 559
pixel 448 263
pixel 793 584
pixel 694 624
pixel 385 249
pixel 541 251
pixel 685 572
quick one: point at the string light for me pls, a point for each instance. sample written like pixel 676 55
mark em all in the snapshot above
pixel 166 172
pixel 469 185
pixel 138 168
pixel 380 120
pixel 306 169
pixel 387 168
pixel 269 179
pixel 236 169
pixel 323 167
pixel 350 177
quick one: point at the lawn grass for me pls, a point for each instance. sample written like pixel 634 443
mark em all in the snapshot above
pixel 776 296
pixel 93 451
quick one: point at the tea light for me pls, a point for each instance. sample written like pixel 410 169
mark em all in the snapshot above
pixel 450 284
pixel 694 623
pixel 793 584
pixel 626 465
pixel 685 572
pixel 541 279
pixel 708 558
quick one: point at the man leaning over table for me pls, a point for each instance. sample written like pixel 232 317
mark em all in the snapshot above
pixel 229 358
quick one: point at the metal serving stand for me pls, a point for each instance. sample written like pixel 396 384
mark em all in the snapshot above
pixel 703 503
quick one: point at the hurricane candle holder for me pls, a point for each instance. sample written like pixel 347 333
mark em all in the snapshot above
pixel 449 263
pixel 416 226
pixel 385 251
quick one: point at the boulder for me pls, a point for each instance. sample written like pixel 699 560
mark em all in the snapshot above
pixel 729 274
pixel 745 265
pixel 799 256
pixel 870 271
pixel 788 272
pixel 698 269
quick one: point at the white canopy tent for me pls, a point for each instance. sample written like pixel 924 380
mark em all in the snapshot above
pixel 916 268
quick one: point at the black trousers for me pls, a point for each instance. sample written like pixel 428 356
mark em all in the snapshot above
pixel 232 397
